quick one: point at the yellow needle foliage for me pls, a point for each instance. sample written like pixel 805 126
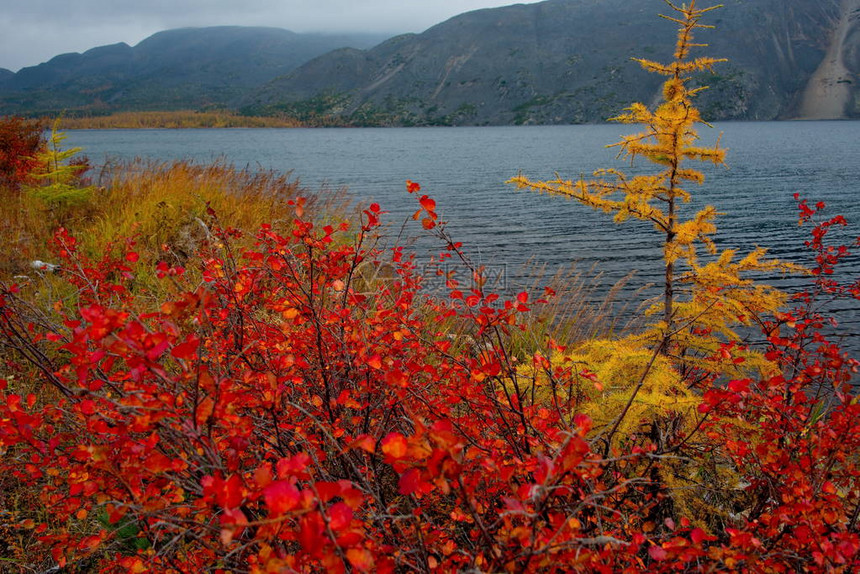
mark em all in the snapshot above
pixel 59 186
pixel 648 381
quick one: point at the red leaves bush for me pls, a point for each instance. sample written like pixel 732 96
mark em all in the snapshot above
pixel 20 142
pixel 289 414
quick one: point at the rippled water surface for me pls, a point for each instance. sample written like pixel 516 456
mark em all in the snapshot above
pixel 465 170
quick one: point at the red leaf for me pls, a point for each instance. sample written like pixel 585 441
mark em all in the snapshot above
pixel 234 492
pixel 228 493
pixel 697 535
pixel 263 475
pixel 365 443
pixel 739 386
pixel 427 203
pixel 233 522
pixel 657 553
pixel 326 490
pixel 394 445
pixel 186 350
pixel 409 481
pixel 87 407
pixel 396 378
pixel 375 362
pixel 311 532
pixel 293 466
pixel 360 559
pixel 351 496
pixel 300 207
pixel 340 516
pixel 281 497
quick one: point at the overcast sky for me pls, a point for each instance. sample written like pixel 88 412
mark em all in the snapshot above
pixel 33 31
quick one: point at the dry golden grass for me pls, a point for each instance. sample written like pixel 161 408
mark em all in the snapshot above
pixel 162 206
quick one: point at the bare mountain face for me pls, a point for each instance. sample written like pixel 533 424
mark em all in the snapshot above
pixel 568 61
pixel 558 61
pixel 831 92
pixel 188 68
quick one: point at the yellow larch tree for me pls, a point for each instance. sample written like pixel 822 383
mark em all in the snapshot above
pixel 648 385
pixel 718 295
pixel 645 388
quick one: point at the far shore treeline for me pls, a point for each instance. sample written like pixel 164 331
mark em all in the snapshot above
pixel 180 119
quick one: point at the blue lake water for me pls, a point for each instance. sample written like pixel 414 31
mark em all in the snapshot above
pixel 465 169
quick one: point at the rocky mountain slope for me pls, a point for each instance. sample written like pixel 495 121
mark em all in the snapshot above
pixel 557 61
pixel 832 92
pixel 564 61
pixel 175 69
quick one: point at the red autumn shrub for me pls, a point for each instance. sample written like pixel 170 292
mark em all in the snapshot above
pixel 20 142
pixel 794 438
pixel 289 414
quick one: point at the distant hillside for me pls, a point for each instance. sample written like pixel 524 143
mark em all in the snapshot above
pixel 6 75
pixel 175 69
pixel 566 61
pixel 558 61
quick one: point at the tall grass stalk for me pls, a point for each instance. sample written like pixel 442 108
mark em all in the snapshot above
pixel 580 306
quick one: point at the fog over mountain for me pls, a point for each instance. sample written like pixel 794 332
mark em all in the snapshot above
pixel 33 31
pixel 558 61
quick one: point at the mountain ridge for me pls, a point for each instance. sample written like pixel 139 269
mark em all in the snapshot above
pixel 172 69
pixel 557 61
